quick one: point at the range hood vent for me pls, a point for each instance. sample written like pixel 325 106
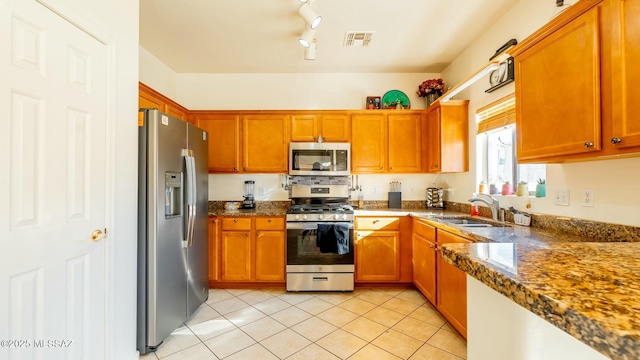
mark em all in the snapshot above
pixel 357 38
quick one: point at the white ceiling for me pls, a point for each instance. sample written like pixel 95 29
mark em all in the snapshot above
pixel 260 36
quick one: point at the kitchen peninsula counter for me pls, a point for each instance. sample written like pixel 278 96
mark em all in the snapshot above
pixel 589 290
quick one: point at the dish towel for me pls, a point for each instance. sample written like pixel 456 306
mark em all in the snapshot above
pixel 333 238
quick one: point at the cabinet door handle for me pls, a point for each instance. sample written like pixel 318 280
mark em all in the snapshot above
pixel 246 235
pixel 588 144
pixel 259 234
pixel 268 220
pixel 616 140
pixel 235 220
pixel 391 168
pixel 235 169
pixel 381 168
pixel 432 246
pixel 376 221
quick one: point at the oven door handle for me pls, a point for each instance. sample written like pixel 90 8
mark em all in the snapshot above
pixel 311 225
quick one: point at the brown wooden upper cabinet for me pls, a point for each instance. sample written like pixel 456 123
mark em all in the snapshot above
pixel 246 142
pixel 333 127
pixel 446 137
pixel 265 143
pixel 405 139
pixel 224 130
pixel 625 72
pixel 384 143
pixel 368 143
pixel 578 72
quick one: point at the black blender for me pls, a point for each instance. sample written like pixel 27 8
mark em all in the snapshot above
pixel 249 201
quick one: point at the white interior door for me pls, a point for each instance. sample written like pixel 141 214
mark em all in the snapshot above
pixel 52 186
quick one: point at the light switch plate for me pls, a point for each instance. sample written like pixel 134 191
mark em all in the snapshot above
pixel 561 197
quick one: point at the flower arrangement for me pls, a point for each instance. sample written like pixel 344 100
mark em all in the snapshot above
pixel 431 86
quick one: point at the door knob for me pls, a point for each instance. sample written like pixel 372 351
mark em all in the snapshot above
pixel 98 235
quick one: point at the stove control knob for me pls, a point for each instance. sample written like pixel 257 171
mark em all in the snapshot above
pixel 297 217
pixel 336 216
pixel 344 216
pixel 319 216
pixel 304 217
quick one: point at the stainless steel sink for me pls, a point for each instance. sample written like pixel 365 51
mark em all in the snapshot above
pixel 464 222
pixel 470 223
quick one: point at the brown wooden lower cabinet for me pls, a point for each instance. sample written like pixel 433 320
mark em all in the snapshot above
pixel 235 255
pixel 270 245
pixel 424 259
pixel 383 249
pixel 377 255
pixel 452 286
pixel 444 285
pixel 214 248
pixel 246 249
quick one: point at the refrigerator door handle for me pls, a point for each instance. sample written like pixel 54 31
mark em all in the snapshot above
pixel 190 190
pixel 194 198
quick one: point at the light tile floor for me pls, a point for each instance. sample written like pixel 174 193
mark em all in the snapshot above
pixel 275 324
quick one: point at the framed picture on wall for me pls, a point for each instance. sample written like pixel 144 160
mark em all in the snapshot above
pixel 373 102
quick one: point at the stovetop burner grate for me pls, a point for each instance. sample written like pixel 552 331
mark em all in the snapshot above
pixel 324 208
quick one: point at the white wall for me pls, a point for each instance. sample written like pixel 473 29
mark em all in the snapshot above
pixel 155 74
pixel 613 181
pixel 293 91
pixel 118 20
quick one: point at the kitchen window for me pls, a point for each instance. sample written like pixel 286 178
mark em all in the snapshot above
pixel 496 141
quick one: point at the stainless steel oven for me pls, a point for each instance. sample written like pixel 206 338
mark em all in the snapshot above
pixel 320 241
pixel 310 269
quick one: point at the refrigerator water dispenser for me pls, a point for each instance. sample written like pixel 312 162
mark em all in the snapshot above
pixel 173 194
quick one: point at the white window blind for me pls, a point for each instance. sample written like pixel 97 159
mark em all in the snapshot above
pixel 496 115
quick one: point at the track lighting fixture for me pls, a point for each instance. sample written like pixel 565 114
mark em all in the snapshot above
pixel 310 16
pixel 307 37
pixel 310 52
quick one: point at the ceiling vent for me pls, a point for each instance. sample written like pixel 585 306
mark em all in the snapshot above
pixel 357 38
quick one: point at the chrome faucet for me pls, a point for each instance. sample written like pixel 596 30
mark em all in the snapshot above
pixel 494 204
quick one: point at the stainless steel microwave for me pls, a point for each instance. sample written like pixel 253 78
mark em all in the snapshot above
pixel 319 159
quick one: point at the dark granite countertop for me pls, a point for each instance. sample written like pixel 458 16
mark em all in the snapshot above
pixel 589 290
pixel 248 212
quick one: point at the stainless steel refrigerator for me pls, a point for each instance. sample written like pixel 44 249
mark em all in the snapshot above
pixel 172 225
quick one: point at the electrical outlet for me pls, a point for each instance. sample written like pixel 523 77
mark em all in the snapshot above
pixel 561 197
pixel 587 197
pixel 411 190
pixel 375 190
pixel 261 190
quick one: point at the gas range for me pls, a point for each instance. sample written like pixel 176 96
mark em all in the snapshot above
pixel 320 212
